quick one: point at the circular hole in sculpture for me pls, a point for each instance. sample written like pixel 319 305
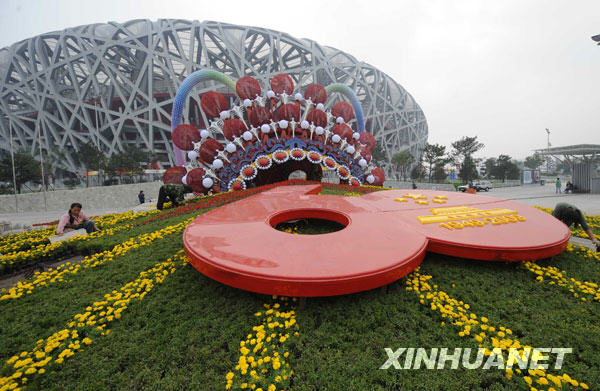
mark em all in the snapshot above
pixel 309 221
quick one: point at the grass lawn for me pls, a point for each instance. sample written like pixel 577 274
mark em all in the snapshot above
pixel 186 332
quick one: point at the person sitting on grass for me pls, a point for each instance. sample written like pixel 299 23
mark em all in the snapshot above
pixel 75 219
pixel 570 214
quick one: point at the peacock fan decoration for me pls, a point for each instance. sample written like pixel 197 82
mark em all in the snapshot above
pixel 269 136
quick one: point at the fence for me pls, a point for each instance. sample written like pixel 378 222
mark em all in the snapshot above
pixel 102 197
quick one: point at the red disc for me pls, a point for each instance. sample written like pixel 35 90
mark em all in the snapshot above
pixel 344 110
pixel 365 153
pixel 379 176
pixel 383 239
pixel 247 88
pixel 317 117
pixel 288 112
pixel 194 179
pixel 213 103
pixel 174 175
pixel 236 244
pixel 368 139
pixel 184 137
pixel 233 127
pixel 280 155
pixel 209 149
pixel 237 186
pixel 282 83
pixel 263 162
pixel 316 93
pixel 344 131
pixel 259 116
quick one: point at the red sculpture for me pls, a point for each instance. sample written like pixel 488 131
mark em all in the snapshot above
pixel 386 237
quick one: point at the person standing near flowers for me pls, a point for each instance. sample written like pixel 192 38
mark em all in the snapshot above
pixel 569 215
pixel 75 219
pixel 172 192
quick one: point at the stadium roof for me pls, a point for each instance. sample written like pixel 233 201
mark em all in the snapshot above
pixel 113 84
pixel 584 150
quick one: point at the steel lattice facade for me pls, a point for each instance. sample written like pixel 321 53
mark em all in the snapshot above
pixel 114 84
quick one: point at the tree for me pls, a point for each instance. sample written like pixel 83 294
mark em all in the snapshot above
pixel 564 167
pixel 403 160
pixel 489 164
pixel 505 168
pixel 418 172
pixel 90 157
pixel 534 161
pixel 439 174
pixel 433 155
pixel 378 155
pixel 466 146
pixel 463 151
pixel 27 169
pixel 468 170
pixel 127 162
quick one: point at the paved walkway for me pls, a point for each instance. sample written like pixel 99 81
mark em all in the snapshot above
pixel 544 196
pixel 528 194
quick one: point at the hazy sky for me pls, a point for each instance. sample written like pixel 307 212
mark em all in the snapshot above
pixel 501 70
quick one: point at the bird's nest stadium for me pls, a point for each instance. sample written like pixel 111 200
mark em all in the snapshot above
pixel 114 84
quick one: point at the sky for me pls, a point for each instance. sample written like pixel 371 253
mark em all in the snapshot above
pixel 503 71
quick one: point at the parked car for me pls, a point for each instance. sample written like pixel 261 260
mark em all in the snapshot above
pixel 478 186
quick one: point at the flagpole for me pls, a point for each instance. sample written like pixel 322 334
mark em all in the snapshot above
pixel 12 158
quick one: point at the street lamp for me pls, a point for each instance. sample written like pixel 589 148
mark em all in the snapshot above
pixel 548 153
pixel 96 98
pixel 39 129
pixel 12 158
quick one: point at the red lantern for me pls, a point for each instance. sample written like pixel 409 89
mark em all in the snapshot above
pixel 282 83
pixel 316 93
pixel 368 139
pixel 194 179
pixel 209 149
pixel 174 174
pixel 247 88
pixel 317 117
pixel 379 176
pixel 344 110
pixel 288 112
pixel 233 127
pixel 213 103
pixel 259 116
pixel 365 153
pixel 344 131
pixel 184 136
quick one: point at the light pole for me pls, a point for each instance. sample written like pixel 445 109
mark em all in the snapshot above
pixel 39 128
pixel 548 152
pixel 12 158
pixel 97 135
